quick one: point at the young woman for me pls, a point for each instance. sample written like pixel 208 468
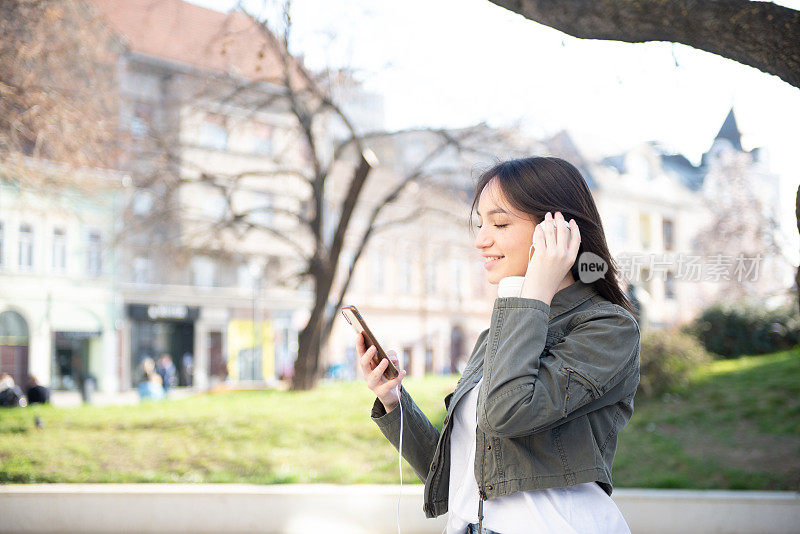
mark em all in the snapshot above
pixel 531 429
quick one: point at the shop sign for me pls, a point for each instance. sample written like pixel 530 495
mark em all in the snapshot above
pixel 164 312
pixel 76 335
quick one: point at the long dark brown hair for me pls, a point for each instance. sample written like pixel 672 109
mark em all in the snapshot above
pixel 537 185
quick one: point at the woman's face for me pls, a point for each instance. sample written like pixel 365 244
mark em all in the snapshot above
pixel 503 232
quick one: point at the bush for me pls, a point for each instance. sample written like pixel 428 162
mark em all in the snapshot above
pixel 730 330
pixel 667 359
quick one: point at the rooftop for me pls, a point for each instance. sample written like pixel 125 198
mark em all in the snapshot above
pixel 183 32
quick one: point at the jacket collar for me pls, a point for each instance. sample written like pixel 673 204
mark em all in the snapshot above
pixel 570 297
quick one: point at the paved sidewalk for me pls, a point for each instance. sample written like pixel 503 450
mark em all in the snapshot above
pixel 347 509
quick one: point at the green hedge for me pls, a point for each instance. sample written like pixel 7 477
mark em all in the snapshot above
pixel 667 360
pixel 733 330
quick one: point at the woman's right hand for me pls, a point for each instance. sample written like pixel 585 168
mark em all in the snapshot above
pixel 373 374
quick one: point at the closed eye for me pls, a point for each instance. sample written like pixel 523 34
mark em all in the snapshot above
pixel 497 225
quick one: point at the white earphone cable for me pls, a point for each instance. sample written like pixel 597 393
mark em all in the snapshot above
pixel 400 460
pixel 400 457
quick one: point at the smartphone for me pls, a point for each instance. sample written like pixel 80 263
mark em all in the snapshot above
pixel 352 316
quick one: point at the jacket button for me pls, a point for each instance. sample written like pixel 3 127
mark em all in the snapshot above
pixel 433 466
pixel 489 447
pixel 490 487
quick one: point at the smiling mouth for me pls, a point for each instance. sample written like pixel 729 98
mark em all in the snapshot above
pixel 491 263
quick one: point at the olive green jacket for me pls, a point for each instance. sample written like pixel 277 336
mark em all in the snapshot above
pixel 559 382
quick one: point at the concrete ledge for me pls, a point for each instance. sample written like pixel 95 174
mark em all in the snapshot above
pixel 351 509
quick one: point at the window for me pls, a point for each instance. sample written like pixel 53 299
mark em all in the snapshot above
pixel 59 251
pixel 203 272
pixel 430 276
pixel 377 271
pixel 214 132
pixel 479 287
pixel 408 358
pixel 142 270
pixel 638 166
pixel 214 205
pixel 669 286
pixel 644 230
pixel 455 278
pixel 667 231
pixel 94 254
pixel 141 119
pixel 644 279
pixel 244 279
pixel 404 274
pixel 25 247
pixel 261 139
pixel 428 360
pixel 142 202
pixel 621 228
pixel 261 210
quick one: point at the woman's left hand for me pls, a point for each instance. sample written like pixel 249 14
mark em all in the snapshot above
pixel 555 250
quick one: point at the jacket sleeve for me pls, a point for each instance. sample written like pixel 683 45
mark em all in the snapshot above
pixel 420 437
pixel 527 389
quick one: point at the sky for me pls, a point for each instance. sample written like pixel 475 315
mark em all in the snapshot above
pixel 458 62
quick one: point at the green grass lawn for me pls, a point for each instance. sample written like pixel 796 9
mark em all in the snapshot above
pixel 737 426
pixel 264 437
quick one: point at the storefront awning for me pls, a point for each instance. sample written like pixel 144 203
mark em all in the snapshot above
pixel 65 318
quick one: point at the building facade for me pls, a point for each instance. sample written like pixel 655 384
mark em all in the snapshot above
pixel 59 306
pixel 201 145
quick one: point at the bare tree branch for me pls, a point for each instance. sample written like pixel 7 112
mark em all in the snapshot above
pixel 373 227
pixel 282 236
pixel 759 34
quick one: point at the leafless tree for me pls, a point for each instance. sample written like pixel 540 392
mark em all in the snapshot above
pixel 310 98
pixel 57 88
pixel 332 175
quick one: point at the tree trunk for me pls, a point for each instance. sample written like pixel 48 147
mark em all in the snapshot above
pixel 307 372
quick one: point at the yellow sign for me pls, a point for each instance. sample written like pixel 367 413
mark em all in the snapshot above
pixel 246 345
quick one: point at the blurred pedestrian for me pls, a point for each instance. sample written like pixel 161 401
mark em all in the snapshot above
pixel 37 393
pixel 187 368
pixel 150 385
pixel 10 393
pixel 6 381
pixel 166 370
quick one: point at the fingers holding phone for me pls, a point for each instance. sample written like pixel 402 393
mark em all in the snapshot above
pixel 379 368
pixel 373 369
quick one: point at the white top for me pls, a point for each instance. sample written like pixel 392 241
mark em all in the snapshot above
pixel 579 509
